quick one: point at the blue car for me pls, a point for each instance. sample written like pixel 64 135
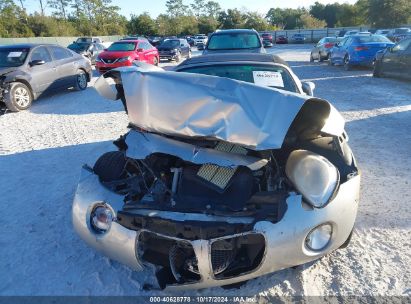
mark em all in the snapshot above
pixel 358 50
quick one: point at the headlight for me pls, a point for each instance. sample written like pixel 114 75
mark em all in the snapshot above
pixel 319 237
pixel 98 59
pixel 101 218
pixel 313 175
pixel 124 59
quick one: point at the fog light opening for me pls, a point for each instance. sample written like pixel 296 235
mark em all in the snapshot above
pixel 101 218
pixel 319 238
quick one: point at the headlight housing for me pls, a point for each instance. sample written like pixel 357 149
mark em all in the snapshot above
pixel 319 237
pixel 124 59
pixel 101 218
pixel 98 59
pixel 314 177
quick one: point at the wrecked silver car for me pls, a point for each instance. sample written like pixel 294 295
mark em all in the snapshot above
pixel 218 181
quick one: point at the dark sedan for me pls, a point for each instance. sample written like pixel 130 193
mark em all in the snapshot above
pixel 234 41
pixel 28 70
pixel 88 50
pixel 174 49
pixel 394 61
pixel 281 39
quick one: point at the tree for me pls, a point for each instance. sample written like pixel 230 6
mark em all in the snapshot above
pixel 388 13
pixel 142 24
pixel 310 22
pixel 176 8
pixel 13 20
pixel 231 19
pixel 60 7
pixel 213 9
pixel 199 7
pixel 256 21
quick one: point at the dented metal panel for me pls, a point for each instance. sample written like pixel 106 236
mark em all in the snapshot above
pixel 186 104
pixel 140 145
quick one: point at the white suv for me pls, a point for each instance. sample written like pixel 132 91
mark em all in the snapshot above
pixel 200 39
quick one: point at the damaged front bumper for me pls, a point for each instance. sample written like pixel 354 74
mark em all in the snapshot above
pixel 284 242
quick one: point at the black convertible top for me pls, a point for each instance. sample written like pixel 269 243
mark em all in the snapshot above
pixel 230 57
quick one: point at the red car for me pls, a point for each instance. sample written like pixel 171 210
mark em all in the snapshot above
pixel 124 52
pixel 281 40
pixel 267 36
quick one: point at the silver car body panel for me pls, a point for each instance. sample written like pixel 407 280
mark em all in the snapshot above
pixel 285 240
pixel 208 106
pixel 140 145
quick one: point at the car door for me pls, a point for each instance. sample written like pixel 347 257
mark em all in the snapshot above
pixel 404 66
pixel 141 52
pixel 43 76
pixel 393 58
pixel 338 51
pixel 184 48
pixel 150 52
pixel 346 48
pixel 316 51
pixel 66 65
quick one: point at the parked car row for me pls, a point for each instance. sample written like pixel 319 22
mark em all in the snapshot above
pixel 268 39
pixel 371 50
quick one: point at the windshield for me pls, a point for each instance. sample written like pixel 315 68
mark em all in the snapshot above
pixel 84 40
pixel 170 43
pixel 263 75
pixel 234 41
pixel 374 38
pixel 401 31
pixel 122 47
pixel 79 46
pixel 13 57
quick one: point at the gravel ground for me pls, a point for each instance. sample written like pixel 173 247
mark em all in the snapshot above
pixel 42 150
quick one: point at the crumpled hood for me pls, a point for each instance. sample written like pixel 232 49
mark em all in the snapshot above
pixel 194 105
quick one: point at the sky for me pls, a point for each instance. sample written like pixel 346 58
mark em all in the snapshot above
pixel 156 7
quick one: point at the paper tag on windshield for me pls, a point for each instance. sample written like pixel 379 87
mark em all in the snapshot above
pixel 268 79
pixel 14 54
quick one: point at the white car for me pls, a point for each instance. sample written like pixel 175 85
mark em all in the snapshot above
pixel 200 39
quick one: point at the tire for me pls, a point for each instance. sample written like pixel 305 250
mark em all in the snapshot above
pixel 311 58
pixel 110 166
pixel 321 58
pixel 19 97
pixel 330 62
pixel 347 242
pixel 81 81
pixel 377 70
pixel 178 57
pixel 347 65
pixel 155 61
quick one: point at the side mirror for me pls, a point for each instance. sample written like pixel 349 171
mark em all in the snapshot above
pixel 139 50
pixel 105 50
pixel 36 62
pixel 308 88
pixel 181 44
pixel 337 44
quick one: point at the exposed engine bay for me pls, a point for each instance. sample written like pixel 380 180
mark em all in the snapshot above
pixel 254 191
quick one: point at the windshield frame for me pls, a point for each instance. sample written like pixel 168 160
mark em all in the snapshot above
pixel 123 42
pixel 296 82
pixel 230 49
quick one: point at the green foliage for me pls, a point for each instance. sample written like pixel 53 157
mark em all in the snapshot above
pixel 188 17
pixel 142 24
pixel 388 13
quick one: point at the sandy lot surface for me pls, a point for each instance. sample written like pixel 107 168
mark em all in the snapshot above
pixel 42 150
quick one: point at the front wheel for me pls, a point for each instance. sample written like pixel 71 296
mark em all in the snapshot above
pixel 19 97
pixel 347 65
pixel 311 58
pixel 178 57
pixel 155 62
pixel 81 81
pixel 377 70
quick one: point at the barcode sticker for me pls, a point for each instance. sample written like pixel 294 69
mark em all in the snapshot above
pixel 268 79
